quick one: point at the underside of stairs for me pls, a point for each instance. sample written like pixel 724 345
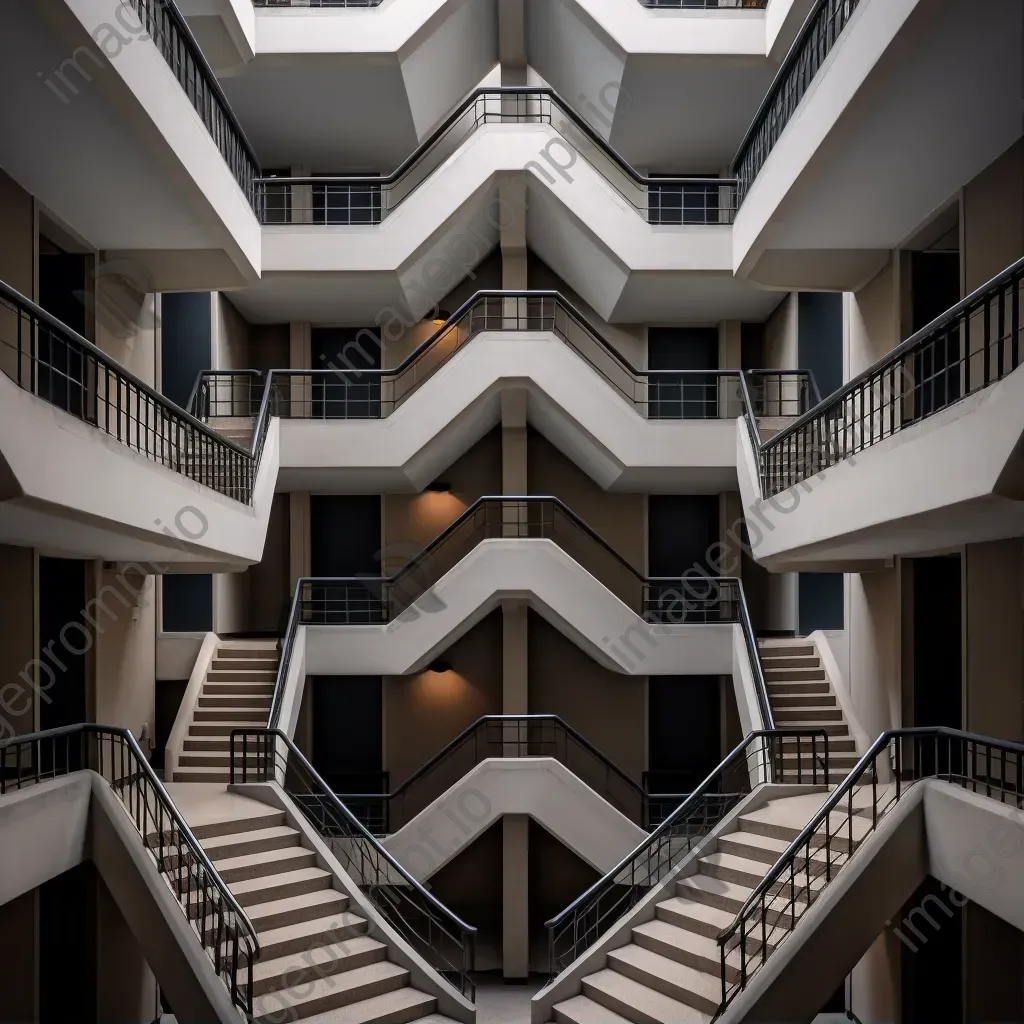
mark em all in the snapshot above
pixel 318 962
pixel 236 694
pixel 670 970
pixel 802 698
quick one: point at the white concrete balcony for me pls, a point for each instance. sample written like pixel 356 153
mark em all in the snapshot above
pixel 121 132
pixel 95 464
pixel 918 454
pixel 882 111
pixel 507 164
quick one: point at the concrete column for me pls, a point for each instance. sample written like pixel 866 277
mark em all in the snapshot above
pixel 515 892
pixel 783 602
pixel 300 358
pixel 512 239
pixel 727 560
pixel 298 538
pixel 730 357
pixel 302 197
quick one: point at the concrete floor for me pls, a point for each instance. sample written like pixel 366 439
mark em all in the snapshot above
pixel 498 1003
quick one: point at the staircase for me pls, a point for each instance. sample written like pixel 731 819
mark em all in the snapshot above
pixel 802 698
pixel 316 954
pixel 670 971
pixel 236 693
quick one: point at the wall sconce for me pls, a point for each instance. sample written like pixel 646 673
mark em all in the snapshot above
pixel 439 487
pixel 443 316
pixel 440 665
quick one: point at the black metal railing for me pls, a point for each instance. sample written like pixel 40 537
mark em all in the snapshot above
pixel 360 199
pixel 220 924
pixel 822 28
pixel 444 940
pixel 317 3
pixel 54 363
pixel 760 758
pixel 494 736
pixel 970 347
pixel 853 811
pixel 352 387
pixel 167 27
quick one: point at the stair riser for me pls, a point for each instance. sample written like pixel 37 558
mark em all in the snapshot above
pixel 814 687
pixel 219 760
pixel 296 915
pixel 750 878
pixel 222 851
pixel 227 689
pixel 221 729
pixel 792 651
pixel 338 998
pixel 204 775
pixel 279 891
pixel 305 975
pixel 662 985
pixel 250 871
pixel 751 852
pixel 787 834
pixel 247 652
pixel 609 1002
pixel 789 661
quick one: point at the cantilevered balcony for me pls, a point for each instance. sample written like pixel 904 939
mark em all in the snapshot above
pixel 138 153
pixel 919 453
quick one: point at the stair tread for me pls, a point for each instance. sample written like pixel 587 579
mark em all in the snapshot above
pixel 689 941
pixel 368 1010
pixel 769 844
pixel 704 912
pixel 655 1006
pixel 758 869
pixel 583 1010
pixel 282 856
pixel 698 982
pixel 715 886
pixel 316 955
pixel 238 840
pixel 325 897
pixel 248 885
pixel 270 937
pixel 295 996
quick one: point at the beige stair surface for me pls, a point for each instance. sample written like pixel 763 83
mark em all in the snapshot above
pixel 236 694
pixel 317 963
pixel 669 972
pixel 801 697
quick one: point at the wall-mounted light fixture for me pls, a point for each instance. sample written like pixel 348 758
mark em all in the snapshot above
pixel 440 665
pixel 439 487
pixel 442 317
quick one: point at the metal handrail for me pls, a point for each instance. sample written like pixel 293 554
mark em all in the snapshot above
pixel 795 52
pixel 754 658
pixel 236 482
pixel 360 831
pixel 168 807
pixel 210 81
pixel 844 790
pixel 592 137
pixel 762 739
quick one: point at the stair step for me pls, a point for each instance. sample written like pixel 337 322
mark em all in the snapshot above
pixel 791 675
pixel 771 660
pixel 695 949
pixel 241 675
pixel 250 689
pixel 275 914
pixel 693 916
pixel 636 1002
pixel 234 715
pixel 723 894
pixel 318 930
pixel 764 849
pixel 190 773
pixel 263 660
pixel 220 727
pixel 732 868
pixel 798 717
pixel 781 701
pixel 271 818
pixel 246 866
pixel 403 1006
pixel 795 686
pixel 785 650
pixel 327 960
pixel 278 837
pixel 219 758
pixel 254 891
pixel 332 991
pixel 702 991
pixel 261 701
pixel 267 649
pixel 583 1010
pixel 832 727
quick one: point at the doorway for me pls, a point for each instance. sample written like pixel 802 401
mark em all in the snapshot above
pixel 935 288
pixel 61 370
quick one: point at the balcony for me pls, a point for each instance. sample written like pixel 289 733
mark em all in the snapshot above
pixel 181 203
pixel 882 110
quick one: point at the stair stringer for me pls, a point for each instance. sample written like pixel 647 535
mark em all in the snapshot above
pixel 569 982
pixel 450 1002
pixel 183 719
pixel 841 689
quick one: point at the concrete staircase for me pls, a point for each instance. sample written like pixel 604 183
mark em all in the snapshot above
pixel 236 694
pixel 670 970
pixel 234 428
pixel 801 698
pixel 317 960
